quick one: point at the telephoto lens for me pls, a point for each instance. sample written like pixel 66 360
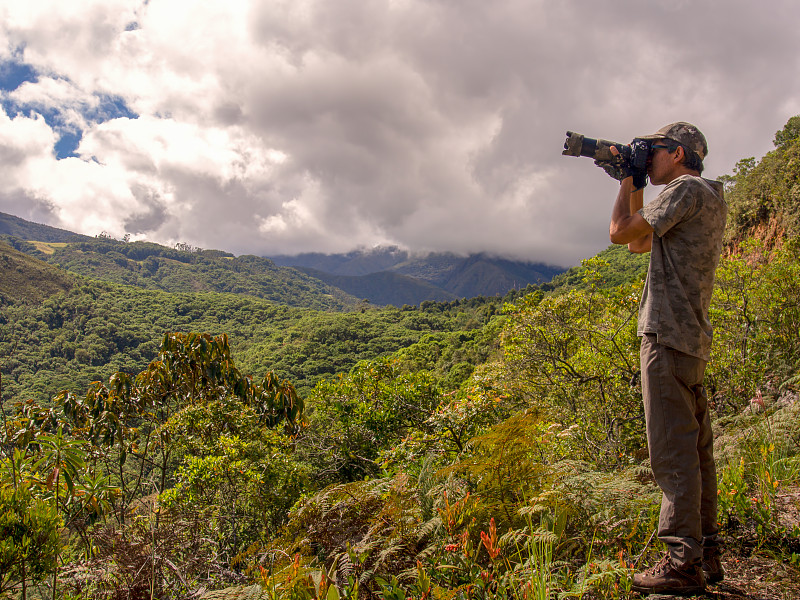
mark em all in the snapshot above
pixel 579 145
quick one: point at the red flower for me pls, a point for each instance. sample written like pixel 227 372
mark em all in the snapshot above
pixel 490 541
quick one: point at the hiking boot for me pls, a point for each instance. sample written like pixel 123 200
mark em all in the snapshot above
pixel 712 567
pixel 665 578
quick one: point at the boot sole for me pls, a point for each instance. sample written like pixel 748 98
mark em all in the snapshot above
pixel 685 591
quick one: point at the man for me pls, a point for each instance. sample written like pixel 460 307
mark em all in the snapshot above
pixel 682 229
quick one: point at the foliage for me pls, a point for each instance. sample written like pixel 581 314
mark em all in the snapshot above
pixel 446 451
pixel 151 266
pixel 46 484
pixel 376 534
pixel 612 267
pixel 95 329
pixel 242 484
pixel 27 280
pixel 29 529
pixel 756 312
pixel 452 356
pixel 355 417
pixel 98 455
pixel 461 415
pixel 158 553
pixel 364 528
pixel 605 512
pixel 20 228
pixel 760 464
pixel 508 464
pixel 315 346
pixel 764 196
pixel 574 356
pixel 136 418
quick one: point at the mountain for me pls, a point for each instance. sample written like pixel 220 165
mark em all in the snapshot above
pixel 383 276
pixel 385 287
pixel 478 274
pixel 452 275
pixel 355 263
pixel 155 267
pixel 59 330
pixel 27 230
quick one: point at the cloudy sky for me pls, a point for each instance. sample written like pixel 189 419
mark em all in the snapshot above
pixel 286 126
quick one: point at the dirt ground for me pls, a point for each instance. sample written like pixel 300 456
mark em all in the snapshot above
pixel 756 578
pixel 749 578
pixel 753 575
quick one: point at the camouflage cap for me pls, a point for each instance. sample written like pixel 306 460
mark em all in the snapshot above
pixel 685 134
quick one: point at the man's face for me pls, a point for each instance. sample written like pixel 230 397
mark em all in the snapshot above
pixel 662 162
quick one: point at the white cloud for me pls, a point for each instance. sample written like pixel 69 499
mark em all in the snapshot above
pixel 306 125
pixel 22 139
pixel 49 93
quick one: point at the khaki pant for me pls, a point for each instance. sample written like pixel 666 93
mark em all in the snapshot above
pixel 681 449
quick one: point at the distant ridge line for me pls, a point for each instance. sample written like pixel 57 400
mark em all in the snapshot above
pixel 28 230
pixel 455 276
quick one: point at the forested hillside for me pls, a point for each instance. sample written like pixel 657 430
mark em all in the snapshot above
pixel 764 195
pixel 385 276
pixel 52 341
pixel 482 450
pixel 27 280
pixel 186 269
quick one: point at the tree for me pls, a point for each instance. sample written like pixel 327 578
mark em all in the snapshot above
pixel 130 416
pixel 789 133
pixel 29 529
pixel 575 357
pixel 62 459
pixel 756 315
pixel 764 196
pixel 353 418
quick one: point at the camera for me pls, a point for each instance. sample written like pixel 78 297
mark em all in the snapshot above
pixel 633 155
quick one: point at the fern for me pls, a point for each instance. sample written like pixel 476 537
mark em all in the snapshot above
pixel 251 592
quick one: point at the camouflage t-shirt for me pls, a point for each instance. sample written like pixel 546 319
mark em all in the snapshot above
pixel 688 221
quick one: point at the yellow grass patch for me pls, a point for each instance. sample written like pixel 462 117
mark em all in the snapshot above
pixel 47 247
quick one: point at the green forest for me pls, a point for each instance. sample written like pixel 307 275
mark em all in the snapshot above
pixel 192 425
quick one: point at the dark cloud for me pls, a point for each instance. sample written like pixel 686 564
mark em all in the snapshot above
pixel 310 125
pixel 22 204
pixel 154 213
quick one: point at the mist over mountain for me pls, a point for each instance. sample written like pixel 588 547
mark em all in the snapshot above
pixel 453 275
pixel 384 287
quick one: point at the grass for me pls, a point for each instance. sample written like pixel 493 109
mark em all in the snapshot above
pixel 47 247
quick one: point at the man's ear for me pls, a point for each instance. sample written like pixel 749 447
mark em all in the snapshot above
pixel 681 156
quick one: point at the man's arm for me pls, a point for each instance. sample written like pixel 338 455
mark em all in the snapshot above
pixel 627 225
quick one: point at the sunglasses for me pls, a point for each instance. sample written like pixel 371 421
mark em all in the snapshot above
pixel 665 147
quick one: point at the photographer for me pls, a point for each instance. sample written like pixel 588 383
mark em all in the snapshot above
pixel 682 228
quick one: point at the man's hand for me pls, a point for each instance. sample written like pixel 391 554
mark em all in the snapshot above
pixel 618 168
